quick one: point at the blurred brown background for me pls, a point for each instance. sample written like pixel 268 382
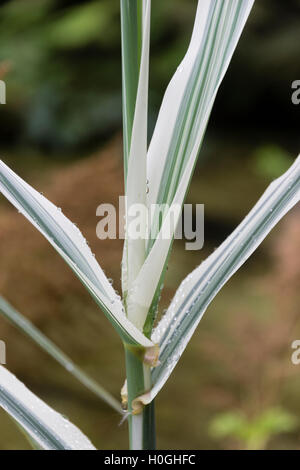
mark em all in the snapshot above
pixel 235 386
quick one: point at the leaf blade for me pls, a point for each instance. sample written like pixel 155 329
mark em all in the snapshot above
pixel 137 173
pixel 47 428
pixel 23 324
pixel 54 225
pixel 202 285
pixel 131 19
pixel 68 241
pixel 191 92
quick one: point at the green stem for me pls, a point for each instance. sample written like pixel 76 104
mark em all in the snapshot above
pixel 141 426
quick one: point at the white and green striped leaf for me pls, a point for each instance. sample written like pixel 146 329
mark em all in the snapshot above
pixel 24 325
pixel 199 288
pixel 131 32
pixel 136 187
pixel 68 241
pixel 144 288
pixel 126 329
pixel 191 93
pixel 179 132
pixel 132 23
pixel 45 427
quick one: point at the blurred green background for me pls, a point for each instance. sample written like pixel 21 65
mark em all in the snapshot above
pixel 235 386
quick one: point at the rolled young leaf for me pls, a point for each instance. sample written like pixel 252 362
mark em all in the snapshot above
pixel 23 324
pixel 144 288
pixel 199 288
pixel 47 428
pixel 131 32
pixel 134 248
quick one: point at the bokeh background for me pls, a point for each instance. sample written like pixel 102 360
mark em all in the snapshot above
pixel 235 386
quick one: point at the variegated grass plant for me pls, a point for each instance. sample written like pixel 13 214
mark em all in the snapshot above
pixel 158 174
